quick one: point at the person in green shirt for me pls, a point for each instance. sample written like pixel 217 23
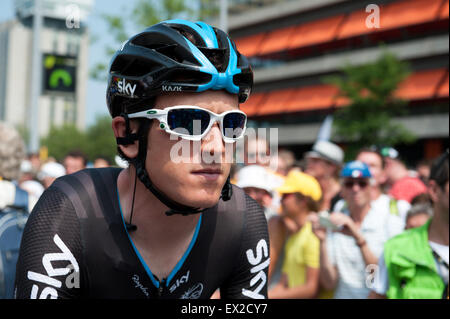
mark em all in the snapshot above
pixel 415 263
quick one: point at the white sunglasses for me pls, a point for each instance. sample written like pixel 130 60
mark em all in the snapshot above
pixel 193 122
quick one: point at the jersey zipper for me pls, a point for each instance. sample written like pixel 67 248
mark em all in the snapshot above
pixel 161 287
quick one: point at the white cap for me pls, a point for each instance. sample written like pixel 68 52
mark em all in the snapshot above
pixel 33 187
pixel 257 176
pixel 51 169
pixel 327 151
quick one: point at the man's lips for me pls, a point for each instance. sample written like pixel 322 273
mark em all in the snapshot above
pixel 210 174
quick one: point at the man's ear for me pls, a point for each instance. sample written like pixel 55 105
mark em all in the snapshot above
pixel 433 191
pixel 119 129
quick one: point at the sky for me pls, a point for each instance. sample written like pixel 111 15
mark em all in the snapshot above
pixel 95 100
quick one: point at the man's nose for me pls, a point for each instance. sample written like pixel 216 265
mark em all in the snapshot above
pixel 212 142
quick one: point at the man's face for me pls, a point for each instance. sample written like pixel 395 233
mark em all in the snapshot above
pixel 192 179
pixel 290 204
pixel 416 221
pixel 73 164
pixel 319 168
pixel 356 191
pixel 375 164
pixel 260 195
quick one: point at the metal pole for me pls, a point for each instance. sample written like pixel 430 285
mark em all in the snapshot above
pixel 224 15
pixel 36 66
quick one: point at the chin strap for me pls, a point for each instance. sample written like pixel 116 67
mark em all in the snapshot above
pixel 175 208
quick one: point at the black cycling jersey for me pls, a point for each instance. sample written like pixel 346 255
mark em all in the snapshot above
pixel 76 245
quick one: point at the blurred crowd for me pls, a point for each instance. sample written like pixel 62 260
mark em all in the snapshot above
pixel 357 229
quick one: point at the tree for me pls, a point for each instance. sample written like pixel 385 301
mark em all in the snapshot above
pixel 146 13
pixel 100 140
pixel 370 88
pixel 61 140
pixel 97 141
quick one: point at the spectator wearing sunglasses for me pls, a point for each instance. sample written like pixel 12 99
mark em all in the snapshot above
pixel 376 163
pixel 169 225
pixel 357 237
pixel 414 264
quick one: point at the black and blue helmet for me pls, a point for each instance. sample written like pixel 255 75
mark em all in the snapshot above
pixel 175 56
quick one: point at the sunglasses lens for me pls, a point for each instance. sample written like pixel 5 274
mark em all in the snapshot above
pixel 188 121
pixel 234 124
pixel 361 183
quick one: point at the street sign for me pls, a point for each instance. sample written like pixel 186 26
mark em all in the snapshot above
pixel 59 74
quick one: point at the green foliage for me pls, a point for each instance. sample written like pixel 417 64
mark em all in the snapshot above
pixel 61 140
pixel 97 141
pixel 370 89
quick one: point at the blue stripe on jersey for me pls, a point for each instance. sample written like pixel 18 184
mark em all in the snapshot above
pixel 186 253
pixel 180 262
pixel 144 264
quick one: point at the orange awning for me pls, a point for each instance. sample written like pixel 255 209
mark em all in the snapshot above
pixel 443 88
pixel 249 46
pixel 275 102
pixel 409 12
pixel 251 106
pixel 420 85
pixel 355 24
pixel 276 41
pixel 312 98
pixel 320 31
pixel 444 10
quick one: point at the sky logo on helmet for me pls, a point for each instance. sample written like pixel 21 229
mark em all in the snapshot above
pixel 125 87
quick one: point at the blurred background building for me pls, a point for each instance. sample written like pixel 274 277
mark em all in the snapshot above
pixel 63 50
pixel 293 44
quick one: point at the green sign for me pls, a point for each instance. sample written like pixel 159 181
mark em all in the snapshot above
pixel 59 73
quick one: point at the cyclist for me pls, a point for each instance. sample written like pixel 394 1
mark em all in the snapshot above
pixel 169 225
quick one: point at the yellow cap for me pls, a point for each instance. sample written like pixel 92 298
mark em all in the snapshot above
pixel 299 182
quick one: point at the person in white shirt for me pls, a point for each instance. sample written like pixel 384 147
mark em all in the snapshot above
pixel 350 252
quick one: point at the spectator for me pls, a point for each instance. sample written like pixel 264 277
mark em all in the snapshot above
pixel 286 160
pixel 418 215
pixel 323 163
pixel 402 185
pixel 15 203
pixel 35 161
pixel 101 161
pixel 49 172
pixel 358 240
pixel 415 264
pixel 256 151
pixel 300 270
pixel 12 153
pixel 423 170
pixel 260 185
pixel 75 161
pixel 375 161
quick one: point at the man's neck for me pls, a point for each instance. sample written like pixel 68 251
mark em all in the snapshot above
pixel 358 213
pixel 300 220
pixel 148 212
pixel 375 192
pixel 438 232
